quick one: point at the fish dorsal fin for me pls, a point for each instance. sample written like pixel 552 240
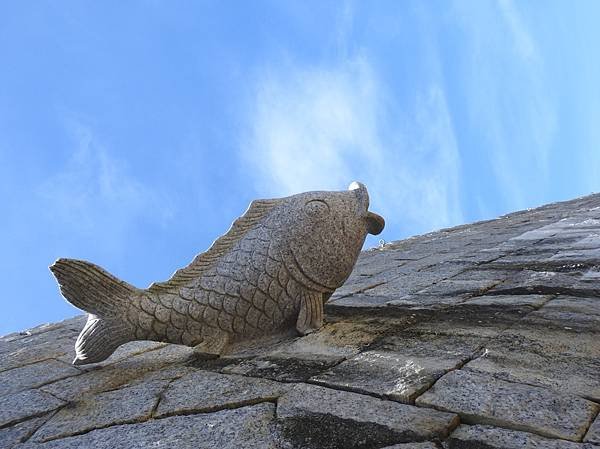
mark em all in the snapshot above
pixel 202 262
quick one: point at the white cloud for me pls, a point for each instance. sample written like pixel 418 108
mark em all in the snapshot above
pixel 93 194
pixel 522 39
pixel 508 97
pixel 321 127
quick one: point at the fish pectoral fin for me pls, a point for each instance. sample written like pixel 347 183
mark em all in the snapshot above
pixel 216 344
pixel 310 318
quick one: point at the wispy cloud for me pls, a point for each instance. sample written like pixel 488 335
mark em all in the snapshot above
pixel 508 97
pixel 320 127
pixel 94 194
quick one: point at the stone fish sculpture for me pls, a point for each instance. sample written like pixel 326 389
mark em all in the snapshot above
pixel 273 270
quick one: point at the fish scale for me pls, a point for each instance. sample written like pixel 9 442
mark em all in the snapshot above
pixel 261 302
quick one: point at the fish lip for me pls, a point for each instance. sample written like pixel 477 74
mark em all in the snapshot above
pixel 375 223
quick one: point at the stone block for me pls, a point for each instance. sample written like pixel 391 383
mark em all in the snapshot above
pixel 247 427
pixel 510 301
pixel 487 437
pixel 480 399
pixel 205 391
pixel 304 357
pixel 515 361
pixel 550 282
pixel 125 405
pixel 471 320
pixel 403 366
pixel 593 434
pixel 282 369
pixel 34 375
pixel 312 416
pixel 387 374
pixel 423 445
pixel 26 404
pixel 102 377
pixel 18 433
pixel 52 342
pixel 360 301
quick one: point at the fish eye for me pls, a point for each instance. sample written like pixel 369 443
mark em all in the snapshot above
pixel 316 208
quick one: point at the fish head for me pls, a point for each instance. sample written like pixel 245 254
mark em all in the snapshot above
pixel 326 231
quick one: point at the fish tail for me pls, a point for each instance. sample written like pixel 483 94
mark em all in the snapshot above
pixel 105 298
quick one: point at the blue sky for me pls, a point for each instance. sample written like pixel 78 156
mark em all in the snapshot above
pixel 133 133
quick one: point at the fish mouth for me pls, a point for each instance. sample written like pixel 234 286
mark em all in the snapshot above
pixel 375 222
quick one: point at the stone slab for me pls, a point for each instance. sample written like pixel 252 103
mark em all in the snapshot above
pixel 99 377
pixel 281 369
pixel 335 341
pixel 19 433
pixel 45 327
pixel 573 256
pixel 460 287
pixel 480 399
pixel 539 337
pixel 407 361
pixel 247 427
pixel 591 241
pixel 578 314
pixel 125 405
pixel 205 391
pixel 17 407
pixel 550 282
pixel 471 320
pixel 593 434
pixel 510 301
pixel 487 437
pixel 424 445
pixel 313 416
pixel 425 301
pixel 360 300
pixel 54 342
pixel 34 375
pixel 359 284
pixel 539 358
pixel 304 357
pixel 389 374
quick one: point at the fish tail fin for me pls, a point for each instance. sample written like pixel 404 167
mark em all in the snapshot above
pixel 99 338
pixel 105 298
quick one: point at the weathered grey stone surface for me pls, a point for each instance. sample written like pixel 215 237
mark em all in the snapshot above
pixel 406 365
pixel 270 273
pixel 247 427
pixel 125 405
pixel 114 375
pixel 424 445
pixel 593 434
pixel 320 417
pixel 540 359
pixel 13 435
pixel 485 400
pixel 35 375
pixel 52 341
pixel 387 374
pixel 203 391
pixel 17 407
pixel 509 306
pixel 487 437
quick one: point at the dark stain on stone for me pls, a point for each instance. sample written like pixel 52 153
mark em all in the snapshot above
pixel 323 431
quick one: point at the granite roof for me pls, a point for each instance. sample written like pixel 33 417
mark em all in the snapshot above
pixel 485 335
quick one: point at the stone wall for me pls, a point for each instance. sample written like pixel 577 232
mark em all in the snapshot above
pixel 480 336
